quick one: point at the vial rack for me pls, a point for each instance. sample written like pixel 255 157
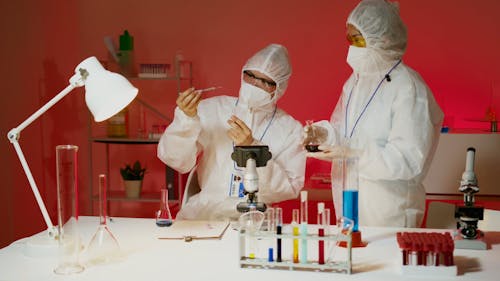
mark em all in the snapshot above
pixel 339 266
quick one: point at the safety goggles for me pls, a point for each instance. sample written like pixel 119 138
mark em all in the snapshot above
pixel 356 40
pixel 250 78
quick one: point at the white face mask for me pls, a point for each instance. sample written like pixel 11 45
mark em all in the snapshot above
pixel 357 57
pixel 253 96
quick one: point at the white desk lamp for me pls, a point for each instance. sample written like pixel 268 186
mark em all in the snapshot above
pixel 106 93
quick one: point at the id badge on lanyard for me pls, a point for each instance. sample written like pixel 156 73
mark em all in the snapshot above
pixel 236 188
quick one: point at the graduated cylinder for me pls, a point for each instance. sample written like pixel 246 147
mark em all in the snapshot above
pixel 345 179
pixel 67 210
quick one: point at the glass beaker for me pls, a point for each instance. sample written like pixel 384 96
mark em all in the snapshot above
pixel 163 216
pixel 67 210
pixel 344 226
pixel 103 247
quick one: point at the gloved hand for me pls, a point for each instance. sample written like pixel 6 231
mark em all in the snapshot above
pixel 313 136
pixel 328 152
pixel 239 131
pixel 188 102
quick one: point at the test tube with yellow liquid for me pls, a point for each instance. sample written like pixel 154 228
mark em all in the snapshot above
pixel 295 231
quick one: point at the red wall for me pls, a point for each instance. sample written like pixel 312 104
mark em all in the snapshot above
pixel 453 44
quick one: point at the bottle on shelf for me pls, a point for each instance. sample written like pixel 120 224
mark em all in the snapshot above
pixel 117 125
pixel 126 55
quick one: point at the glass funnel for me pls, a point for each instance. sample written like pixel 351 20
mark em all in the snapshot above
pixel 251 222
pixel 103 247
pixel 163 215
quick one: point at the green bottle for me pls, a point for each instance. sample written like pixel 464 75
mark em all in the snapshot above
pixel 126 55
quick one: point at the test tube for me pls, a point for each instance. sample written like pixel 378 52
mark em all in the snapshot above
pixel 321 232
pixel 253 240
pixel 295 230
pixel 329 243
pixel 303 226
pixel 271 228
pixel 279 225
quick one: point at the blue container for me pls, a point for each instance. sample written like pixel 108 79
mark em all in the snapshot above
pixel 350 206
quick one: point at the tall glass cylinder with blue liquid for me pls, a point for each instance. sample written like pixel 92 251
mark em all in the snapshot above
pixel 345 178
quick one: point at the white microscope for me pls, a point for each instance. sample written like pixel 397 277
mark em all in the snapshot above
pixel 468 215
pixel 251 157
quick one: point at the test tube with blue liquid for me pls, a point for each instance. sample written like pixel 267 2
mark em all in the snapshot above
pixel 271 228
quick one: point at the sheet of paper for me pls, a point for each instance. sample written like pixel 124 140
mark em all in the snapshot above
pixel 193 229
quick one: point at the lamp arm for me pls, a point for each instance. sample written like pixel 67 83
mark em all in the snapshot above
pixel 52 231
pixel 41 111
pixel 14 136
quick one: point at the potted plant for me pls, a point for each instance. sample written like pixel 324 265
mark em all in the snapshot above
pixel 132 178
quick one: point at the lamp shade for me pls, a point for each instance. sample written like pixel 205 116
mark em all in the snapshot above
pixel 106 93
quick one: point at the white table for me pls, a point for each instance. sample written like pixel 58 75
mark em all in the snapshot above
pixel 151 259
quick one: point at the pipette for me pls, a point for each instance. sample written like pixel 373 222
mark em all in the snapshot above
pixel 208 89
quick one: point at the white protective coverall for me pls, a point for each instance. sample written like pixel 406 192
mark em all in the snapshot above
pixel 395 128
pixel 203 140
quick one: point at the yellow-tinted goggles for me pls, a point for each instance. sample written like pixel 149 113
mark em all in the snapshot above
pixel 356 40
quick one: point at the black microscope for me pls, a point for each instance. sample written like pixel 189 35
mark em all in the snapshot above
pixel 468 215
pixel 251 157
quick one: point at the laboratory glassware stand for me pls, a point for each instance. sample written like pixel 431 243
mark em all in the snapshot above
pixel 173 180
pixel 339 266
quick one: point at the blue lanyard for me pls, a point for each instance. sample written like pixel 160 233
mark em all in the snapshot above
pixel 268 124
pixel 367 104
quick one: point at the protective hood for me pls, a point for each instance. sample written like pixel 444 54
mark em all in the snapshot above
pixel 381 26
pixel 274 62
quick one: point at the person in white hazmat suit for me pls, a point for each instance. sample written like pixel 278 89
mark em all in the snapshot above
pixel 386 116
pixel 204 132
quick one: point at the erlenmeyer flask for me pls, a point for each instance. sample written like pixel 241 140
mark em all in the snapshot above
pixel 163 216
pixel 103 247
pixel 311 140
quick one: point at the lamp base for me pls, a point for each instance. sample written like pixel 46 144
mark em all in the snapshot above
pixel 41 245
pixel 356 241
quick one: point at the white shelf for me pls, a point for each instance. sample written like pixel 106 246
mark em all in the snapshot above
pixel 146 197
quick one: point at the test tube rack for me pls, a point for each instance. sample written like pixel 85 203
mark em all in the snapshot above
pixel 338 266
pixel 426 254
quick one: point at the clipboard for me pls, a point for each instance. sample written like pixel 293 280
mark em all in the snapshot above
pixel 189 230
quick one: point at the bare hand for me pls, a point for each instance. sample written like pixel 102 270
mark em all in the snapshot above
pixel 239 132
pixel 188 102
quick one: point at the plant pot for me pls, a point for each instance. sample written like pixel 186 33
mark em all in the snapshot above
pixel 133 188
